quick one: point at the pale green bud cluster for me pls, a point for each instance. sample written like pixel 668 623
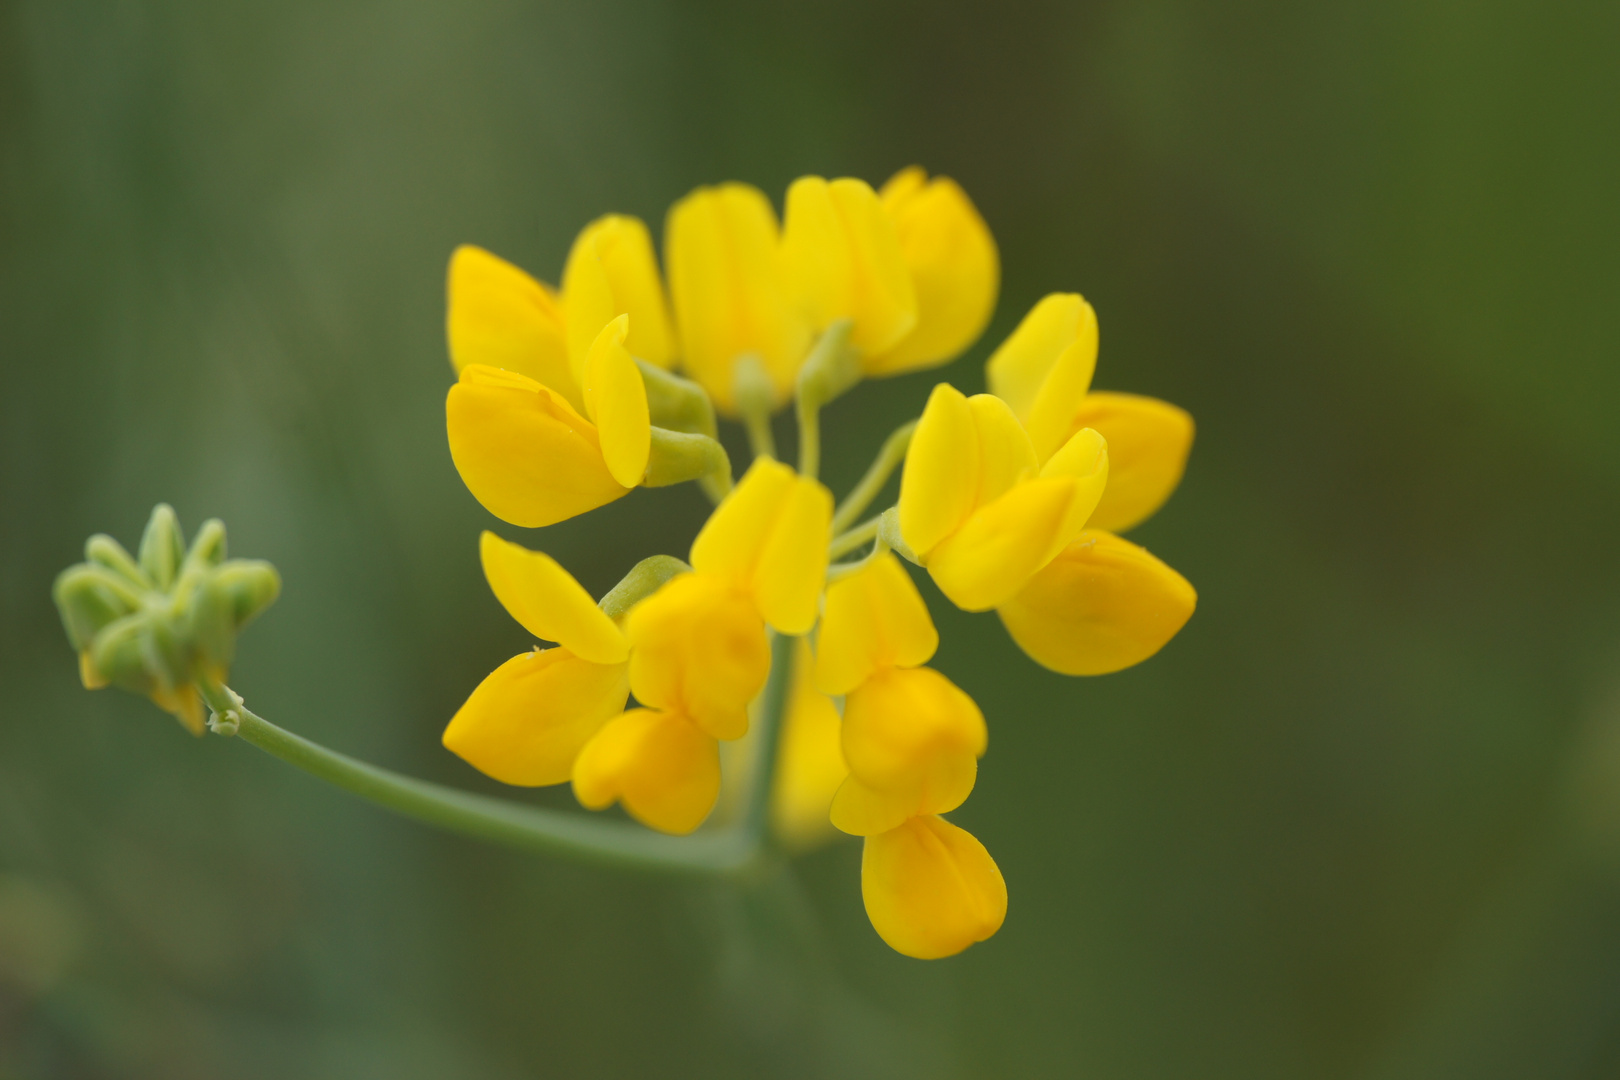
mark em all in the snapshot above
pixel 158 624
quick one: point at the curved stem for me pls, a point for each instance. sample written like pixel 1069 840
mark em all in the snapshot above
pixel 889 457
pixel 772 714
pixel 808 411
pixel 553 832
pixel 846 542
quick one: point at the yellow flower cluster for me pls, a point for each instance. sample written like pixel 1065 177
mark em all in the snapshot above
pixel 567 399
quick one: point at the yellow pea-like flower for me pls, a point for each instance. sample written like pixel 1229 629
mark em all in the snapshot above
pixel 977 510
pixel 901 720
pixel 843 259
pixel 768 537
pixel 527 721
pixel 931 889
pixel 721 254
pixel 874 619
pixel 1043 371
pixel 500 317
pixel 1102 605
pixel 955 270
pixel 810 762
pixel 530 458
pixel 698 647
pixel 1148 444
pixel 660 765
pixel 611 271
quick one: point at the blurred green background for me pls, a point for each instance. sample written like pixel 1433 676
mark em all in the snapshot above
pixel 1361 819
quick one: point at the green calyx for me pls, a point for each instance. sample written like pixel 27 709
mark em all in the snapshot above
pixel 157 624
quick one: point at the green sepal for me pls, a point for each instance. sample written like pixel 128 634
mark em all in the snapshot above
pixel 676 403
pixel 644 579
pixel 89 597
pixel 162 548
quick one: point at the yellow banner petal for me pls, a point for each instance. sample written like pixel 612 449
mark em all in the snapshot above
pixel 939 482
pixel 611 271
pixel 501 317
pixel 1148 444
pixel 1017 369
pixel 616 399
pixel 547 601
pixel 523 451
pixel 1102 605
pixel 954 265
pixel 900 724
pixel 526 722
pixel 874 619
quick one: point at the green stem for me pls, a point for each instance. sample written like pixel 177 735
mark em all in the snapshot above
pixel 846 542
pixel 755 397
pixel 877 474
pixel 608 843
pixel 809 414
pixel 772 714
pixel 832 367
pixel 761 441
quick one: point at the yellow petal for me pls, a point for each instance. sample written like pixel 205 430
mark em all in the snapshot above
pixel 1103 604
pixel 1085 460
pixel 523 451
pixel 548 603
pixel 1148 443
pixel 501 317
pixel 810 764
pixel 1051 417
pixel 730 542
pixel 698 646
pixel 860 809
pixel 900 723
pixel 940 480
pixel 931 889
pixel 875 619
pixel 611 271
pixel 843 260
pixel 526 722
pixel 658 764
pixel 725 281
pixel 1003 544
pixel 1018 368
pixel 954 266
pixel 769 536
pixel 792 565
pixel 1006 456
pixel 616 399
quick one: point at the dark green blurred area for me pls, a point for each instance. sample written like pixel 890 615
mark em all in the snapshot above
pixel 1361 819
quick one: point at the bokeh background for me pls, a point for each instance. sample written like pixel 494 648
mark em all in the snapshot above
pixel 1361 819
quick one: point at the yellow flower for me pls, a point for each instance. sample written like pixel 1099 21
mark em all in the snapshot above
pixel 725 280
pixel 528 455
pixel 699 642
pixel 1043 372
pixel 843 260
pixel 527 721
pixel 611 271
pixel 955 270
pixel 931 889
pixel 1102 605
pixel 500 317
pixel 977 507
pixel 663 768
pixel 810 762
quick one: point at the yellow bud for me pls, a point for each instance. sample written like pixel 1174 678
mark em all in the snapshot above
pixel 931 889
pixel 810 764
pixel 1148 444
pixel 698 647
pixel 1102 605
pixel 611 271
pixel 955 270
pixel 875 618
pixel 526 722
pixel 547 601
pixel 729 298
pixel 616 402
pixel 902 721
pixel 1062 326
pixel 523 451
pixel 843 260
pixel 663 769
pixel 501 317
pixel 769 538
